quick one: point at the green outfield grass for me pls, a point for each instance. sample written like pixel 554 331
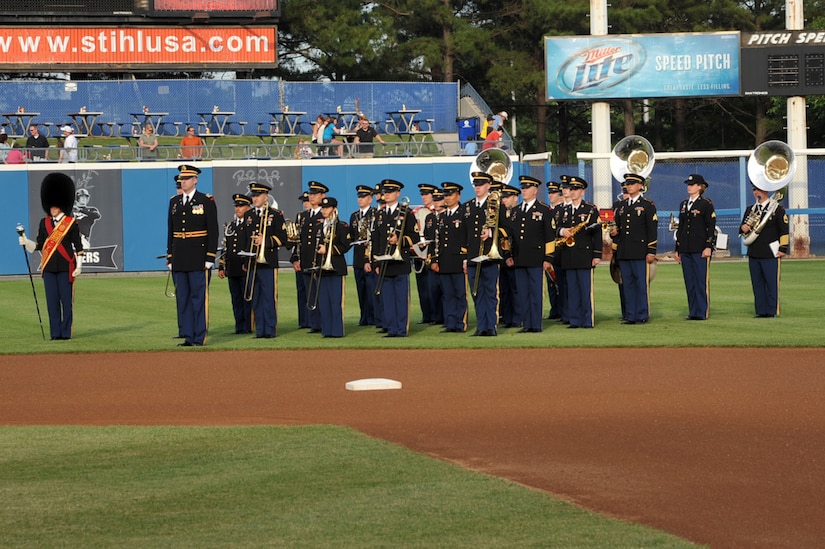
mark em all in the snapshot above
pixel 131 313
pixel 311 487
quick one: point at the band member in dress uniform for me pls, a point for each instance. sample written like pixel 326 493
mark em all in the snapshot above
pixel 556 204
pixel 695 240
pixel 421 271
pixel 430 229
pixel 765 253
pixel 232 266
pixel 300 281
pixel 533 244
pixel 191 251
pixel 580 223
pixel 310 239
pixel 361 223
pixel 395 227
pixel 264 231
pixel 615 272
pixel 59 242
pixel 561 280
pixel 378 306
pixel 509 312
pixel 636 237
pixel 479 243
pixel 450 259
pixel 330 276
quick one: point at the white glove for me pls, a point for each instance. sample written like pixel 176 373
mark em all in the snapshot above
pixel 30 245
pixel 77 270
pixel 209 265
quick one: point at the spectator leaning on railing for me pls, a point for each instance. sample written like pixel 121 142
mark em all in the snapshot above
pixel 364 136
pixel 191 146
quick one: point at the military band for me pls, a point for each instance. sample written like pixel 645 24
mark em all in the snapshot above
pixel 264 232
pixel 517 237
pixel 232 265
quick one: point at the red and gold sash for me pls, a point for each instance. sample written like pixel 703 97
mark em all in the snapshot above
pixel 52 243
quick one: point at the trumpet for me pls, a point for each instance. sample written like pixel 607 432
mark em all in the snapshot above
pixel 400 225
pixel 314 289
pixel 256 257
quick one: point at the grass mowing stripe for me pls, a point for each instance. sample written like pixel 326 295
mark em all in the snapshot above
pixel 318 486
pixel 132 314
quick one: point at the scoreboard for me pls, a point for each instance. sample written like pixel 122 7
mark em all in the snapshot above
pixel 783 63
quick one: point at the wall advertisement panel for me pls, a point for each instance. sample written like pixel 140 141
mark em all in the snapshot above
pixel 600 68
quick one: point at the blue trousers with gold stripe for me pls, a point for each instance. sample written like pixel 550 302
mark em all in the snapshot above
pixel 486 298
pixel 454 288
pixel 765 282
pixel 190 294
pixel 634 279
pixel 580 297
pixel 395 298
pixel 695 272
pixel 263 302
pixel 331 304
pixel 530 298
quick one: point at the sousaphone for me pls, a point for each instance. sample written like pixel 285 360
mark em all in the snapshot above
pixel 771 167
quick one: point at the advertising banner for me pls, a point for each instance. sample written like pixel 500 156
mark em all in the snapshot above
pixel 98 48
pixel 598 68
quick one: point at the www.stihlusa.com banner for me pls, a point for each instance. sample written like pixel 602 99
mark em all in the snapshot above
pixel 641 66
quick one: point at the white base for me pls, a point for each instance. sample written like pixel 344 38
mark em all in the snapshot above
pixel 372 384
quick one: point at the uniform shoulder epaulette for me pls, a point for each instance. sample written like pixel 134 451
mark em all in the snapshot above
pixel 210 197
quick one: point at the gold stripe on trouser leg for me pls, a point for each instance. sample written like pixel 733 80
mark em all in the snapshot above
pixel 592 301
pixel 467 301
pixel 407 329
pixel 343 302
pixel 778 278
pixel 275 295
pixel 71 328
pixel 647 286
pixel 206 304
pixel 707 287
pixel 498 300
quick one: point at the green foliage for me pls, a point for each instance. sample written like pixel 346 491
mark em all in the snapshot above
pixel 130 313
pixel 315 486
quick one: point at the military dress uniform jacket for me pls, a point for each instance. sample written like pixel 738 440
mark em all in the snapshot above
pixel 588 241
pixel 386 224
pixel 697 227
pixel 231 263
pixel 340 246
pixel 637 227
pixel 450 243
pixel 475 219
pixel 275 233
pixel 359 251
pixel 534 235
pixel 71 244
pixel 310 239
pixel 193 232
pixel 775 230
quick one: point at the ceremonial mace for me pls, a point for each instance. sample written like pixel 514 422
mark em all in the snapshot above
pixel 20 231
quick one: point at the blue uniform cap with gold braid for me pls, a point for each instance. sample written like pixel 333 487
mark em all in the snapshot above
pixel 185 170
pixel 259 188
pixel 316 187
pixel 449 187
pixel 241 200
pixel 390 185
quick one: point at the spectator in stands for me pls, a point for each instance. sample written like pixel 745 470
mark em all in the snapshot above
pixel 4 146
pixel 471 147
pixel 37 144
pixel 493 139
pixel 68 153
pixel 485 129
pixel 303 150
pixel 15 155
pixel 498 120
pixel 329 135
pixel 364 136
pixel 191 146
pixel 148 144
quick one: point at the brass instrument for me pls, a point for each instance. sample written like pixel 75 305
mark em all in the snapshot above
pixel 497 164
pixel 255 257
pixel 633 154
pixel 770 169
pixel 293 231
pixel 570 240
pixel 673 225
pixel 314 289
pixel 400 224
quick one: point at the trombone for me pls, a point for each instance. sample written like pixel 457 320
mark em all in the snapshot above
pixel 314 289
pixel 255 256
pixel 400 225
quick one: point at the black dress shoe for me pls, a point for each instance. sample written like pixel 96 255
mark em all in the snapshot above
pixel 381 331
pixel 487 333
pixel 314 331
pixel 573 327
pixel 447 331
pixel 185 344
pixel 389 335
pixel 178 337
pixel 626 321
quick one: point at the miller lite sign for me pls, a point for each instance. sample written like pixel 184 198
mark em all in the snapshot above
pixel 641 66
